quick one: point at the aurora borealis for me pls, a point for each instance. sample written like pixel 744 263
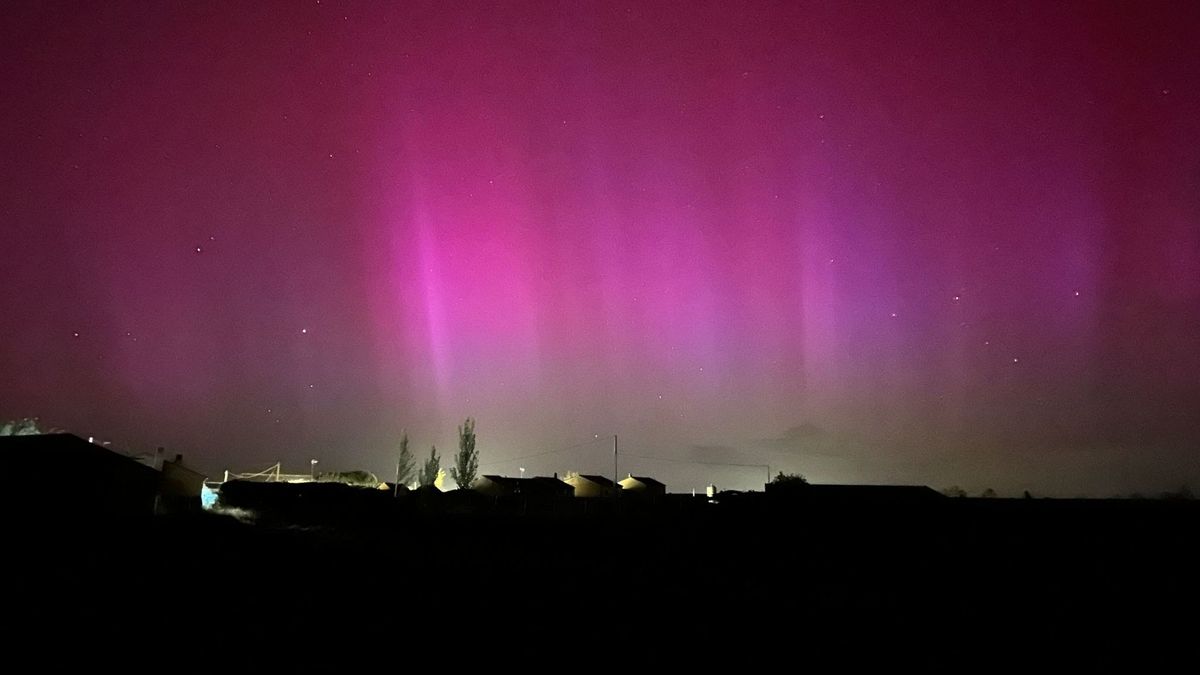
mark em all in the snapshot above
pixel 925 242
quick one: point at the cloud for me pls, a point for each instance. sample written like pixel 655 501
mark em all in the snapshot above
pixel 806 437
pixel 714 453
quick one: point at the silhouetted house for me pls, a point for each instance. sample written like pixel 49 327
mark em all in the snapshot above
pixel 642 485
pixel 428 498
pixel 589 485
pixel 856 494
pixel 319 502
pixel 62 474
pixel 463 502
pixel 179 486
pixel 397 490
pixel 495 486
pixel 538 487
pixel 543 486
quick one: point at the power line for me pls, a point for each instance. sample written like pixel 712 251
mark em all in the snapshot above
pixel 546 452
pixel 693 461
pixel 605 439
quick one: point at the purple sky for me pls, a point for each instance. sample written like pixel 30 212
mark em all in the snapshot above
pixel 937 243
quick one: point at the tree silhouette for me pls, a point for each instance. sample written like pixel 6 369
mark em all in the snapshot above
pixel 791 479
pixel 954 491
pixel 467 460
pixel 356 477
pixel 429 471
pixel 1184 493
pixel 406 463
pixel 22 427
pixel 988 494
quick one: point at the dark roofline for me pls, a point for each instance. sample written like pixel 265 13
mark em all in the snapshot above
pixel 492 476
pixel 598 479
pixel 840 491
pixel 871 486
pixel 72 443
pixel 532 479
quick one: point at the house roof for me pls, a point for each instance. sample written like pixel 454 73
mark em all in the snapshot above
pixel 535 483
pixel 51 451
pixel 173 466
pixel 548 482
pixel 599 480
pixel 648 481
pixel 868 492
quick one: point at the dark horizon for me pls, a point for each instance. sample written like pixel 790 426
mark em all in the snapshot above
pixel 924 244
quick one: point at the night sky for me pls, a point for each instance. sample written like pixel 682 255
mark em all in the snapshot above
pixel 935 243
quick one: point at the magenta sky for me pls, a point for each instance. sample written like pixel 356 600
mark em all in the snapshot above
pixel 890 242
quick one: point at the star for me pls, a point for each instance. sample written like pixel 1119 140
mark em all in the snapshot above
pixel 304 331
pixel 75 334
pixel 1015 359
pixel 198 249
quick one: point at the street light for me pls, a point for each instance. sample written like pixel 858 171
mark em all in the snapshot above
pixel 522 472
pixel 312 469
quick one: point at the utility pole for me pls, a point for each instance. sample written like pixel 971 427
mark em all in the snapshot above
pixel 616 485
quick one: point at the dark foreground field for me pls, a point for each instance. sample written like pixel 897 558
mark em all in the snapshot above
pixel 956 583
